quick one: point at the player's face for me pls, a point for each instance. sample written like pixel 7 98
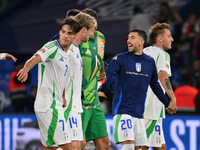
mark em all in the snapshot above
pixel 166 39
pixel 93 32
pixel 134 42
pixel 89 33
pixel 66 36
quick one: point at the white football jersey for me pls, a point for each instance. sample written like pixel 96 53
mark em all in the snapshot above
pixel 53 74
pixel 74 99
pixel 153 106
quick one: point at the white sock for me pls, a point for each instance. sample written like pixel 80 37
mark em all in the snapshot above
pixel 59 148
pixel 128 147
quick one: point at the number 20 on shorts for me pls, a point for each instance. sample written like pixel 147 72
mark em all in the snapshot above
pixel 126 124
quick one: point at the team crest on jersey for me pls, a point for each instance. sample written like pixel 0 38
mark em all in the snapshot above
pixel 167 66
pixel 101 47
pixel 158 140
pixel 138 67
pixel 43 50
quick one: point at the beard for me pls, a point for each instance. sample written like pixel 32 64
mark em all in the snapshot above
pixel 133 51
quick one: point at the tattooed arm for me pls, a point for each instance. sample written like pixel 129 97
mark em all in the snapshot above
pixel 164 79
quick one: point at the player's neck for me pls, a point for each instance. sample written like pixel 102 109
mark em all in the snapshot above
pixel 65 47
pixel 77 40
pixel 158 45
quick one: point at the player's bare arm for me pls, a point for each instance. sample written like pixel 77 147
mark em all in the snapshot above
pixel 23 73
pixel 164 79
pixel 102 74
pixel 64 100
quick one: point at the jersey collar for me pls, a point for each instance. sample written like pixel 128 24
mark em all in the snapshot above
pixel 60 45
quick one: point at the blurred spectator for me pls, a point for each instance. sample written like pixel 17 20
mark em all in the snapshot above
pixel 196 72
pixel 31 99
pixel 188 39
pixel 170 16
pixel 186 94
pixel 18 94
pixel 197 99
pixel 140 20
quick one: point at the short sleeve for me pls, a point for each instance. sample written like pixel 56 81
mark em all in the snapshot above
pixel 48 51
pixel 163 62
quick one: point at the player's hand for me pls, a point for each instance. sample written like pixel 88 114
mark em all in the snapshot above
pixel 171 109
pixel 22 75
pixel 64 103
pixel 102 94
pixel 11 56
pixel 102 76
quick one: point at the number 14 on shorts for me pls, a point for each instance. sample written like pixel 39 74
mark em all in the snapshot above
pixel 73 122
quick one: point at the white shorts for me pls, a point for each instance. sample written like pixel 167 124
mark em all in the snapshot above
pixel 154 130
pixel 127 128
pixel 75 126
pixel 53 130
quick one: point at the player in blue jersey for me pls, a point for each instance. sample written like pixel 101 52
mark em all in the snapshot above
pixel 133 71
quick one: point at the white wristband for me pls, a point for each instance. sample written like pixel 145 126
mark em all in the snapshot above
pixel 2 55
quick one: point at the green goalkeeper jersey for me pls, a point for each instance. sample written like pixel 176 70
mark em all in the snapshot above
pixel 92 54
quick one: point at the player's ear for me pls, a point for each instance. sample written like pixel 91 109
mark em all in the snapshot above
pixel 84 29
pixel 159 38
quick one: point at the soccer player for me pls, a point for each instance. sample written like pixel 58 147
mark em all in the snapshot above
pixel 54 66
pixel 3 56
pixel 133 71
pixel 93 118
pixel 88 25
pixel 160 40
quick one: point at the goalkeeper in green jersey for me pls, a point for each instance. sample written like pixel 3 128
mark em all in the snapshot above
pixel 93 118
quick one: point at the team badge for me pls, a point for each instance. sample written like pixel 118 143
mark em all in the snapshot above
pixel 101 47
pixel 167 66
pixel 138 67
pixel 43 50
pixel 158 140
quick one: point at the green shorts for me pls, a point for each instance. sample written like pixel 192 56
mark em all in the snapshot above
pixel 94 123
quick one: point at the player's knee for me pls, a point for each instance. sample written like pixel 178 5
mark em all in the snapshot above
pixel 76 145
pixel 138 147
pixel 128 147
pixel 83 144
pixel 106 143
pixel 145 148
pixel 164 147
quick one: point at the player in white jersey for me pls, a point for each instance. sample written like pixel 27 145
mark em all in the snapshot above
pixel 54 67
pixel 3 56
pixel 87 25
pixel 160 39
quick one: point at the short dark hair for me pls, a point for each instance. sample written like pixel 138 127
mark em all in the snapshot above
pixel 72 12
pixel 74 25
pixel 141 33
pixel 137 9
pixel 91 12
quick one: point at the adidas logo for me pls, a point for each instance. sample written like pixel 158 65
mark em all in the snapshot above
pixel 61 59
